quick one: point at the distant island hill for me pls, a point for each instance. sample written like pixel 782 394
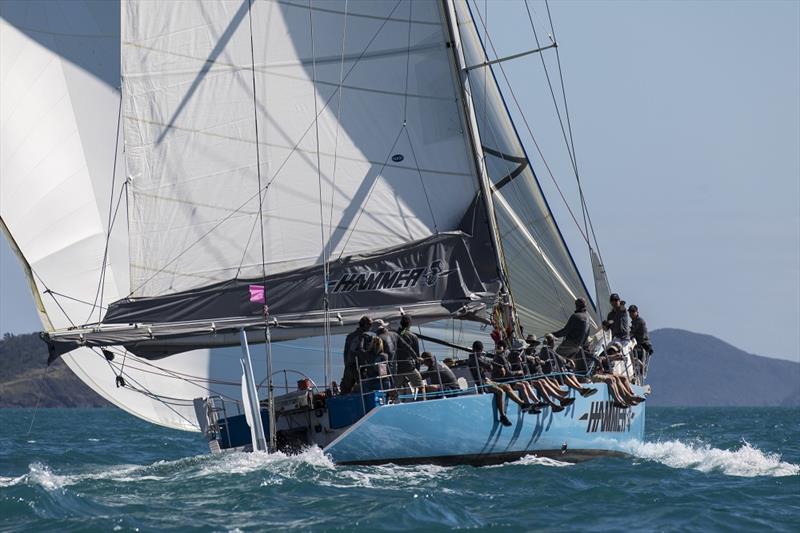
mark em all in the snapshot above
pixel 688 369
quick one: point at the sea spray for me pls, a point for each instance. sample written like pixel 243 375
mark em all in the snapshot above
pixel 746 461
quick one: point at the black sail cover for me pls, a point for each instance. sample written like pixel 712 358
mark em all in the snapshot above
pixel 447 275
pixel 439 269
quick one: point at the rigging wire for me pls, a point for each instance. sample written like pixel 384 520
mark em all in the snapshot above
pixel 325 259
pixel 405 120
pixel 569 142
pixel 101 285
pixel 530 132
pixel 38 398
pixel 327 250
pixel 267 339
pixel 572 142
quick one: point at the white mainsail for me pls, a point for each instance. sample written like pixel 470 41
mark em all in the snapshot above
pixel 359 135
pixel 361 145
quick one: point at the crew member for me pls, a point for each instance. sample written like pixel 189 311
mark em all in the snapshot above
pixel 575 333
pixel 547 353
pixel 502 372
pixel 644 348
pixel 618 319
pixel 390 341
pixel 355 344
pixel 438 374
pixel 481 366
pixel 408 359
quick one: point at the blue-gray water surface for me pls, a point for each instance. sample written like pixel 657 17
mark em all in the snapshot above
pixel 699 469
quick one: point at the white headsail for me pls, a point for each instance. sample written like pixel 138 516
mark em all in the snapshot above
pixel 544 280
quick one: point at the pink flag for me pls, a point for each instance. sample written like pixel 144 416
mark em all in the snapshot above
pixel 257 294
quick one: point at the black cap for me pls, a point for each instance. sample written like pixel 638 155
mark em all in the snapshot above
pixel 580 303
pixel 633 308
pixel 477 346
pixel 614 297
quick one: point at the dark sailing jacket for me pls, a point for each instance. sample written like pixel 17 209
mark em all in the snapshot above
pixel 501 367
pixel 576 331
pixel 640 333
pixel 355 343
pixel 407 351
pixel 620 323
pixel 480 365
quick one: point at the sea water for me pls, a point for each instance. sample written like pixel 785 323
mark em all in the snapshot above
pixel 103 470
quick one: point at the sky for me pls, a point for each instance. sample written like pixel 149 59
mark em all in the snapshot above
pixel 686 122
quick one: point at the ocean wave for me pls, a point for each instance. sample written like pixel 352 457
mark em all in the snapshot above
pixel 41 475
pixel 746 461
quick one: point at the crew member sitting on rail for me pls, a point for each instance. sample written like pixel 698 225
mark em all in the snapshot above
pixel 503 373
pixel 564 366
pixel 438 374
pixel 480 366
pixel 618 386
pixel 355 343
pixel 408 359
pixel 534 368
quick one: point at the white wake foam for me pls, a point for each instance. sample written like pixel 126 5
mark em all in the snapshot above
pixel 746 461
pixel 541 461
pixel 278 463
pixel 200 466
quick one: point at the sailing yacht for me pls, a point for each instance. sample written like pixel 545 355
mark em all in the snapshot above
pixel 189 185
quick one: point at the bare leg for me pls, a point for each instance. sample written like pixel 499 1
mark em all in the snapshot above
pixel 612 387
pixel 546 397
pixel 525 391
pixel 626 391
pixel 573 383
pixel 513 395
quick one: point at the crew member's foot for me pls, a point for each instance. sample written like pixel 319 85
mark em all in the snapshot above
pixel 586 392
pixel 556 408
pixel 541 405
pixel 639 399
pixel 504 420
pixel 533 408
pixel 566 402
pixel 620 405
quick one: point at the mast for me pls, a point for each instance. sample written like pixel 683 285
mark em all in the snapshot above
pixel 451 20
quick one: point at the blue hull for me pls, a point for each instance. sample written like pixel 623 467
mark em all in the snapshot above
pixel 466 430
